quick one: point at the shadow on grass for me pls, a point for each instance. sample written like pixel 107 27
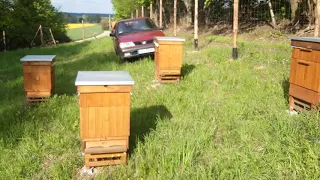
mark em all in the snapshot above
pixel 144 120
pixel 285 88
pixel 187 69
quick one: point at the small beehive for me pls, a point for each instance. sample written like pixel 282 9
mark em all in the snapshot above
pixel 38 76
pixel 104 115
pixel 168 58
pixel 304 73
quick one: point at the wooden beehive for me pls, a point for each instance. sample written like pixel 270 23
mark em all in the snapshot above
pixel 304 73
pixel 104 114
pixel 168 58
pixel 38 76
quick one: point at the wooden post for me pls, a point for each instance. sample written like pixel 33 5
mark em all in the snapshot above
pixel 317 22
pixel 137 13
pixel 160 23
pixel 54 41
pixel 235 29
pixel 142 11
pixel 272 15
pixel 41 35
pixel 131 15
pixel 196 24
pixel 4 41
pixel 82 30
pixel 110 27
pixel 151 10
pixel 35 36
pixel 175 18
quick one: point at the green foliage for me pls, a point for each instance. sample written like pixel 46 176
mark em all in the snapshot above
pixel 104 23
pixel 124 8
pixel 21 19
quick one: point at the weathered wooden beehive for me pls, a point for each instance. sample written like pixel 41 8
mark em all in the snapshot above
pixel 168 58
pixel 304 73
pixel 38 76
pixel 104 116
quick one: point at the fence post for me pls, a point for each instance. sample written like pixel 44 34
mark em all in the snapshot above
pixel 4 41
pixel 142 11
pixel 175 18
pixel 235 29
pixel 137 13
pixel 82 30
pixel 54 41
pixel 150 10
pixel 160 23
pixel 110 27
pixel 196 24
pixel 41 35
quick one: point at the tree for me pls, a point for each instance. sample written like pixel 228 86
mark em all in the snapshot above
pixel 317 22
pixel 23 17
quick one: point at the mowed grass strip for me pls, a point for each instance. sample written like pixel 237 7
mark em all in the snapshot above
pixel 90 31
pixel 224 120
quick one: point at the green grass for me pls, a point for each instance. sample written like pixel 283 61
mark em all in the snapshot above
pixel 224 120
pixel 76 34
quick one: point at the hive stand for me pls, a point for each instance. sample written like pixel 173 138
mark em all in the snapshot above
pixel 168 59
pixel 38 76
pixel 304 79
pixel 104 116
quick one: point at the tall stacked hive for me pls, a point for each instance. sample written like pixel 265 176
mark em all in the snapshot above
pixel 168 58
pixel 104 116
pixel 305 73
pixel 38 76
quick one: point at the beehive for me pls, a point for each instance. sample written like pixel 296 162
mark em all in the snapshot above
pixel 304 73
pixel 168 58
pixel 38 76
pixel 104 114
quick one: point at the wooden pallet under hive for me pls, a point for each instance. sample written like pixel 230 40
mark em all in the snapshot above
pixel 168 78
pixel 102 156
pixel 34 100
pixel 299 105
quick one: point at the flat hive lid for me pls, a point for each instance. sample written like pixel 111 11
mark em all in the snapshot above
pixel 308 39
pixel 168 38
pixel 101 78
pixel 41 58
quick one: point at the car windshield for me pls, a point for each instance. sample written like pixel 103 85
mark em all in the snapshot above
pixel 137 25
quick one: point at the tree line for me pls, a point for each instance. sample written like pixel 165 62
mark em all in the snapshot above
pixel 20 20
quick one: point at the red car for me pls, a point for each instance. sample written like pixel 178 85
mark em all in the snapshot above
pixel 134 37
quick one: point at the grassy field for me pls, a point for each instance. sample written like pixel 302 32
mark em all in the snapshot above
pixel 224 120
pixel 75 33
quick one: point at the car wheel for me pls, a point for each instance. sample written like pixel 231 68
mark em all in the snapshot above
pixel 122 59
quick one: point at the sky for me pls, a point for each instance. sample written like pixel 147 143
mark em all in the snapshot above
pixel 84 6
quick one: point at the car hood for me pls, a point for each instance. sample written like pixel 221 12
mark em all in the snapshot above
pixel 140 36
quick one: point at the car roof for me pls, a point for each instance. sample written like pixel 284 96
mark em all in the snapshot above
pixel 125 20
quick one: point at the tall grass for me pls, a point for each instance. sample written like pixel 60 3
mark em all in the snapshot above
pixel 224 120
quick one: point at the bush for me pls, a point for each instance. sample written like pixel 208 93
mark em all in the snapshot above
pixel 104 23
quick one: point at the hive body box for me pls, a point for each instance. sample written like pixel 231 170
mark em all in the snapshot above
pixel 168 58
pixel 304 73
pixel 38 76
pixel 104 115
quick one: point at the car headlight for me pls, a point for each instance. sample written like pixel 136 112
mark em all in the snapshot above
pixel 126 44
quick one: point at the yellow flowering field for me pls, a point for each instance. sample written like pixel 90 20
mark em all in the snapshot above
pixel 79 25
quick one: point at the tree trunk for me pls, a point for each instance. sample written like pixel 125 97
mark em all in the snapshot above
pixel 272 15
pixel 317 22
pixel 196 24
pixel 137 13
pixel 4 41
pixel 294 7
pixel 235 29
pixel 142 11
pixel 311 13
pixel 188 4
